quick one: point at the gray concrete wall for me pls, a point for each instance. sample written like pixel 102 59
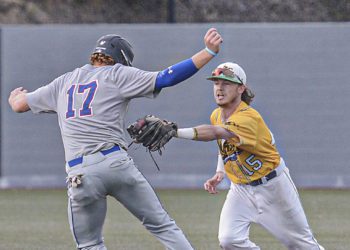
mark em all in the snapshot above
pixel 299 73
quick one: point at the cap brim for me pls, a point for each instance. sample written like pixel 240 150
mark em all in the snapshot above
pixel 223 77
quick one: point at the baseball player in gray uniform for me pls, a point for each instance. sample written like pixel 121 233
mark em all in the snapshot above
pixel 91 103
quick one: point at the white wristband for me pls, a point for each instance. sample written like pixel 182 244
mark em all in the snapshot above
pixel 187 133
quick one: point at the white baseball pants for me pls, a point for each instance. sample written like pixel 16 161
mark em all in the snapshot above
pixel 274 205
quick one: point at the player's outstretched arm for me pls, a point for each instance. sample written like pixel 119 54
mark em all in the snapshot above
pixel 206 133
pixel 18 100
pixel 186 68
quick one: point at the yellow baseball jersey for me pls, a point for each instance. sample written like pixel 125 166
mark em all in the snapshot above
pixel 253 154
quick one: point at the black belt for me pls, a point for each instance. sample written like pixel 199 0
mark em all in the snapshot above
pixel 79 160
pixel 264 179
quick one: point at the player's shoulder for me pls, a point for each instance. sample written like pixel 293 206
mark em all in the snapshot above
pixel 63 77
pixel 215 111
pixel 244 108
pixel 215 116
pixel 68 77
pixel 248 112
pixel 74 71
pixel 92 68
pixel 119 69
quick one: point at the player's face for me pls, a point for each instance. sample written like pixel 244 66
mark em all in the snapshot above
pixel 227 93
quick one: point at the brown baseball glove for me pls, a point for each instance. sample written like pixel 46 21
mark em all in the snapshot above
pixel 152 132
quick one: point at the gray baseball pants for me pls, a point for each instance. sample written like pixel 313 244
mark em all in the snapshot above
pixel 116 175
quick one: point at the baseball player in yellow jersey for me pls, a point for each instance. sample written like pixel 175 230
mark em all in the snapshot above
pixel 262 190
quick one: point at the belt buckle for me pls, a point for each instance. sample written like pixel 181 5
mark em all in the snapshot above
pixel 263 180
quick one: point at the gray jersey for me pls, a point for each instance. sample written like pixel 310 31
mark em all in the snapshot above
pixel 91 103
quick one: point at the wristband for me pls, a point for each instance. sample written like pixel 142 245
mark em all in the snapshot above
pixel 187 133
pixel 195 137
pixel 210 51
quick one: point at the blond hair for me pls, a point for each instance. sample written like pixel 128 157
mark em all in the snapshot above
pixel 101 59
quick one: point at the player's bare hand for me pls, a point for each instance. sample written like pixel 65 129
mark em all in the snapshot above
pixel 17 100
pixel 16 92
pixel 213 39
pixel 211 184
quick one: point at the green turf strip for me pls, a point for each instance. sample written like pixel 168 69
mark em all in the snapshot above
pixel 37 219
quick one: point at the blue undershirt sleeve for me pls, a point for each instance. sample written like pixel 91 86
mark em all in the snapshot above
pixel 175 74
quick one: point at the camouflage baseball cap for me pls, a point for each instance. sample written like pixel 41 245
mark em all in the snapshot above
pixel 229 72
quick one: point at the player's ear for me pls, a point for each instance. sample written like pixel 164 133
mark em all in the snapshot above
pixel 241 88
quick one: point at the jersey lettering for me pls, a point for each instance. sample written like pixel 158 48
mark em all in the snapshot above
pixel 244 169
pixel 234 157
pixel 86 109
pixel 255 164
pixel 70 112
pixel 91 87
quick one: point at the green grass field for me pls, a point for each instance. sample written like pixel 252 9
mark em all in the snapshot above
pixel 37 219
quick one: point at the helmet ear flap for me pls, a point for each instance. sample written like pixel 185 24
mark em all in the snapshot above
pixel 126 52
pixel 126 60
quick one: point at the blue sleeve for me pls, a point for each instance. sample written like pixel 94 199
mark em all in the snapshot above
pixel 175 74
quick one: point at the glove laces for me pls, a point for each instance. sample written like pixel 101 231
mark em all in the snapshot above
pixel 149 151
